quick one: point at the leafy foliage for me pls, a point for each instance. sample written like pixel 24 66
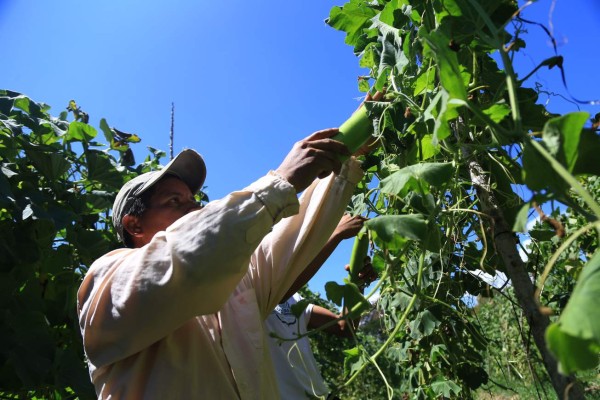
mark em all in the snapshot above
pixel 56 185
pixel 462 141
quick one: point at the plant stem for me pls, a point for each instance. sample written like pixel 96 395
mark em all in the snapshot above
pixel 399 324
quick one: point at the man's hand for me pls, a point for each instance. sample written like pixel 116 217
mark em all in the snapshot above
pixel 348 227
pixel 367 275
pixel 313 157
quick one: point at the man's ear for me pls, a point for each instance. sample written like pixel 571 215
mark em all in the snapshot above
pixel 132 225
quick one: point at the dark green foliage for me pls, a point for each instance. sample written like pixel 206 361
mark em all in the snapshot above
pixel 465 149
pixel 56 186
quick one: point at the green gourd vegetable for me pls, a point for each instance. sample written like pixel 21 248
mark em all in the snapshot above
pixel 359 253
pixel 356 130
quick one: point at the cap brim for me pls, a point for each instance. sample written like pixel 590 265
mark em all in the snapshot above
pixel 187 166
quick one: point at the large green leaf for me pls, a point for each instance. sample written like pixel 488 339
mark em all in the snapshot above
pixel 589 148
pixel 575 338
pixel 351 18
pixel 452 75
pixel 397 12
pixel 424 324
pixel 101 169
pixel 81 132
pixel 348 296
pixel 393 231
pixel 108 134
pixel 392 55
pixel 417 177
pixel 538 173
pixel 445 388
pixel 51 165
pixel 561 136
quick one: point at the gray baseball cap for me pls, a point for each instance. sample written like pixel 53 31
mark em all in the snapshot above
pixel 187 166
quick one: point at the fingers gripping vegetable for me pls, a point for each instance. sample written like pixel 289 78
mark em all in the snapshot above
pixel 359 253
pixel 356 130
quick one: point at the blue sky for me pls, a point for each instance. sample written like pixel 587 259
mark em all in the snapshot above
pixel 248 79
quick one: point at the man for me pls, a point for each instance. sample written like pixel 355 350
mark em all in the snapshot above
pixel 179 314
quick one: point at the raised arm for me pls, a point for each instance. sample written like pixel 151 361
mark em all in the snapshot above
pixel 347 228
pixel 335 323
pixel 130 298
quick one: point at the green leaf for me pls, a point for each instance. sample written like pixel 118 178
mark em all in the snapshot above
pixel 90 244
pixel 392 55
pixel 102 170
pixel 298 308
pixel 5 190
pixel 392 14
pixel 72 372
pixel 363 85
pixel 108 134
pixel 334 292
pixel 538 173
pixel 22 103
pixel 351 18
pixel 348 296
pixel 414 177
pixel 520 224
pixel 587 157
pixel 52 165
pixel 369 57
pixel 561 136
pixel 423 325
pixel 542 235
pixel 99 200
pixel 392 231
pixel 575 338
pixel 352 360
pixel 81 132
pixel 451 72
pixel 425 82
pixel 497 112
pixel 445 388
pixel 573 353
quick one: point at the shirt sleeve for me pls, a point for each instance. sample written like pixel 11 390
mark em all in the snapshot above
pixel 296 241
pixel 130 298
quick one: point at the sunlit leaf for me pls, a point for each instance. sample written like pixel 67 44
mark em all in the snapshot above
pixel 108 135
pixel 561 136
pixel 425 82
pixel 351 18
pixel 392 231
pixel 497 112
pixel 451 73
pixel 575 338
pixel 414 177
pixel 79 131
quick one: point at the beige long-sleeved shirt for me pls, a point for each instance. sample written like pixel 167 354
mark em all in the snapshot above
pixel 181 317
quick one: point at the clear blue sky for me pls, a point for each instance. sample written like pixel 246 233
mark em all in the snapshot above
pixel 248 79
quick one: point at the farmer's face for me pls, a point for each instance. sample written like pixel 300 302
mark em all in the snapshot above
pixel 171 200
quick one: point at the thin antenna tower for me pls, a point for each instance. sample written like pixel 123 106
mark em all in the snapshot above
pixel 172 136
